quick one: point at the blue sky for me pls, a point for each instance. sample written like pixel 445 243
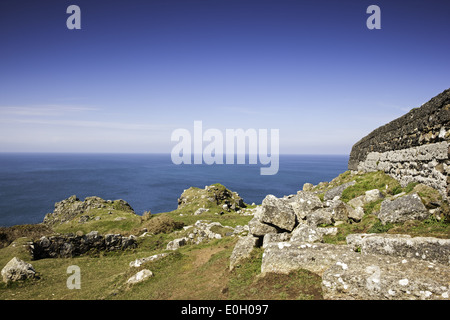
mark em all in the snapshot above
pixel 137 70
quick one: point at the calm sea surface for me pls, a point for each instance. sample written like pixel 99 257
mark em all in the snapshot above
pixel 31 183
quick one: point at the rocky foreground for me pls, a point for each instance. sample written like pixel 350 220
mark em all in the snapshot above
pixel 368 266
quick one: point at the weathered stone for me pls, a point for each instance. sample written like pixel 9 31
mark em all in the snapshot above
pixel 340 211
pixel 337 191
pixel 320 216
pixel 257 228
pixel 373 195
pixel 423 248
pixel 138 262
pixel 199 211
pixel 356 214
pixel 357 202
pixel 278 212
pixel 379 277
pixel 242 250
pixel 177 243
pixel 402 209
pixel 308 186
pixel 216 193
pixel 355 240
pixel 275 237
pixel 305 204
pixel 140 276
pixel 306 233
pixel 17 269
pixel 284 257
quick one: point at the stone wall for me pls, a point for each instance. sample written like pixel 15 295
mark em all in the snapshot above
pixel 414 147
pixel 68 246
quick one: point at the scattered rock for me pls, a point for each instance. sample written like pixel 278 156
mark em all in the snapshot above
pixel 138 262
pixel 278 212
pixel 257 228
pixel 177 243
pixel 337 191
pixel 305 204
pixel 318 217
pixel 373 195
pixel 140 276
pixel 408 207
pixel 308 186
pixel 17 269
pixel 200 211
pixel 306 233
pixel 242 250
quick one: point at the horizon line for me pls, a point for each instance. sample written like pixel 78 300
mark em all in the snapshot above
pixel 158 153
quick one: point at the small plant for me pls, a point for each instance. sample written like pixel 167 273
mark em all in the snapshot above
pixel 378 227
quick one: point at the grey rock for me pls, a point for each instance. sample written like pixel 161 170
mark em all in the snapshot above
pixel 380 277
pixel 320 216
pixel 284 257
pixel 140 276
pixel 257 228
pixel 337 191
pixel 199 211
pixel 373 195
pixel 306 233
pixel 355 240
pixel 17 269
pixel 402 209
pixel 242 250
pixel 305 204
pixel 357 202
pixel 340 211
pixel 278 212
pixel 177 243
pixel 423 248
pixel 276 237
pixel 138 262
pixel 356 214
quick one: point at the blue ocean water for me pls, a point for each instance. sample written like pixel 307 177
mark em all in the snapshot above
pixel 31 183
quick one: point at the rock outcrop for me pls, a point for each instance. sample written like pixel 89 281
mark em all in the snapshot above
pixel 72 207
pixel 369 266
pixel 204 230
pixel 414 147
pixel 215 195
pixel 401 209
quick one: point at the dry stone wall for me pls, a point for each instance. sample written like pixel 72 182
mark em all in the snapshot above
pixel 412 148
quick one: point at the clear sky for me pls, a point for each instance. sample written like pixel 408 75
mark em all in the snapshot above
pixel 139 69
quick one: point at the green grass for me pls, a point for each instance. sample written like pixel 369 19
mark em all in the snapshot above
pixel 107 223
pixel 369 181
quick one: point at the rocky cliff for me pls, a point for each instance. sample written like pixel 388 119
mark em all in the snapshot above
pixel 412 148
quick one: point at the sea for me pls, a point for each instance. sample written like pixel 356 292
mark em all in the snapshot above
pixel 31 183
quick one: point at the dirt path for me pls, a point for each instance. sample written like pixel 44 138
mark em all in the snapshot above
pixel 205 278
